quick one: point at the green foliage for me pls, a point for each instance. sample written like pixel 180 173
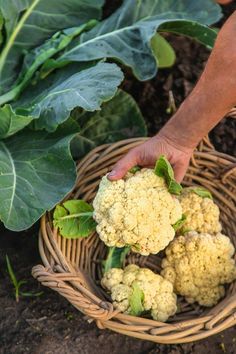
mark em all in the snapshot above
pixel 202 192
pixel 115 258
pixel 135 169
pixel 192 29
pixel 18 284
pixel 36 174
pixel 118 119
pixel 1 26
pixel 163 169
pixel 164 53
pixel 37 57
pixel 133 25
pixel 136 300
pixel 180 223
pixel 54 78
pixel 53 102
pixel 11 122
pixel 28 23
pixel 74 219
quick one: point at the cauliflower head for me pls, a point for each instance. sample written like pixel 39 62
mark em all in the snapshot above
pixel 198 265
pixel 158 295
pixel 202 214
pixel 137 211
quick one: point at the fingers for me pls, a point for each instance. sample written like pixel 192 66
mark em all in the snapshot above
pixel 223 2
pixel 180 170
pixel 123 166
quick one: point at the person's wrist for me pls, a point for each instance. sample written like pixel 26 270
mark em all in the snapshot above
pixel 176 140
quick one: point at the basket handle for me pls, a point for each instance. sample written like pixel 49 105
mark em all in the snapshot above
pixel 81 298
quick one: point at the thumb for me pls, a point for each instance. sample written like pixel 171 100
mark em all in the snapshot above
pixel 123 166
pixel 180 169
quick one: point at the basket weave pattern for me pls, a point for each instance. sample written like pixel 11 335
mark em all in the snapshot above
pixel 73 267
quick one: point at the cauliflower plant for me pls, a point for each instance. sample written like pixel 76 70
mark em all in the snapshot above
pixel 134 290
pixel 198 265
pixel 137 211
pixel 202 214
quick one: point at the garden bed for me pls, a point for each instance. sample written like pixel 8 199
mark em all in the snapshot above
pixel 49 324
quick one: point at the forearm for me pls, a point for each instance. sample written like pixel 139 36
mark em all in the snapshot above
pixel 213 96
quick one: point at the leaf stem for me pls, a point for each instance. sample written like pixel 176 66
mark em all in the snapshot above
pixel 61 41
pixel 9 96
pixel 15 33
pixel 89 213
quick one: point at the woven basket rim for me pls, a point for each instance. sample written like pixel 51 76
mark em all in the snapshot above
pixel 59 273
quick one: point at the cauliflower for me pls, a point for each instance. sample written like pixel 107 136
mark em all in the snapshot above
pixel 202 214
pixel 156 293
pixel 198 265
pixel 137 211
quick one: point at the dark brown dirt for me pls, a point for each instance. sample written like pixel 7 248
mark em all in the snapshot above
pixel 49 324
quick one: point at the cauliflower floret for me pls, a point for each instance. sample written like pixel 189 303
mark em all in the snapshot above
pixel 202 214
pixel 137 211
pixel 158 296
pixel 113 277
pixel 198 265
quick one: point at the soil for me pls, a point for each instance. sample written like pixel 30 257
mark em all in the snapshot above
pixel 48 324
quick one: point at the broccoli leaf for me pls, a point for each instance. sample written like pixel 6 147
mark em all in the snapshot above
pixel 115 258
pixel 179 223
pixel 74 219
pixel 136 300
pixel 163 169
pixel 202 192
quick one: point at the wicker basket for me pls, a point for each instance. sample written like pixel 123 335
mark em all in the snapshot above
pixel 73 267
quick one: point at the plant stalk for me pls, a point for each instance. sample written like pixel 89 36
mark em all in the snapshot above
pixel 15 33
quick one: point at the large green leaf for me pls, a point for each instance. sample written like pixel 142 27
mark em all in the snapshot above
pixel 29 22
pixel 53 100
pixel 127 33
pixel 192 29
pixel 10 122
pixel 118 119
pixel 37 56
pixel 1 26
pixel 36 172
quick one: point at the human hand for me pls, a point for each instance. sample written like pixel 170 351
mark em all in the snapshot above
pixel 146 154
pixel 223 2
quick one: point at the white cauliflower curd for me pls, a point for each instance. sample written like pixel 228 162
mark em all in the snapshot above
pixel 139 289
pixel 202 214
pixel 198 265
pixel 137 211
